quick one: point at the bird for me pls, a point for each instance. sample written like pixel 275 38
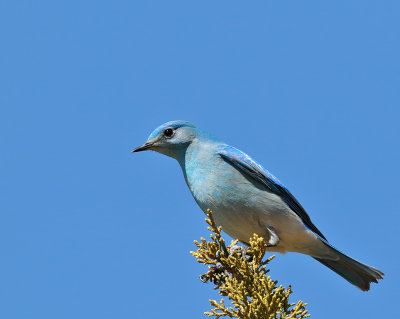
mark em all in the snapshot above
pixel 246 199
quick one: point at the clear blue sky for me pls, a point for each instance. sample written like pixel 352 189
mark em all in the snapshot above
pixel 89 230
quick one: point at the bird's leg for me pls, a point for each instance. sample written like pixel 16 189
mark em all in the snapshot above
pixel 243 251
pixel 273 237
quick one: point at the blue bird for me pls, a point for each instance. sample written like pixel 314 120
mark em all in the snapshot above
pixel 246 199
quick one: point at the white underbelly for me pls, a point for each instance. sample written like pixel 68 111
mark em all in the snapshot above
pixel 242 216
pixel 242 222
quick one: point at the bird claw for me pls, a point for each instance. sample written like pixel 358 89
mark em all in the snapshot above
pixel 235 249
pixel 243 251
pixel 216 274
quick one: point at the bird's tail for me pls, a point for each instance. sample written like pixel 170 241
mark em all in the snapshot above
pixel 355 272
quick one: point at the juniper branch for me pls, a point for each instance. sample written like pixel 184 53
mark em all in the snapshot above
pixel 241 277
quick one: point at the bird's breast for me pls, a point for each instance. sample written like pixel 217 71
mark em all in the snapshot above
pixel 216 185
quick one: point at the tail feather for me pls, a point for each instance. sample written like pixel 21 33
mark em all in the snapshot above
pixel 355 272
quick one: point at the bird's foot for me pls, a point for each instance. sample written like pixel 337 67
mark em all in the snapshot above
pixel 216 274
pixel 219 271
pixel 243 251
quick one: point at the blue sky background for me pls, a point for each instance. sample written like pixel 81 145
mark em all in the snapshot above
pixel 88 230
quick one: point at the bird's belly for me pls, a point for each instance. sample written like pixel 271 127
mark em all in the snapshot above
pixel 243 224
pixel 243 209
pixel 242 217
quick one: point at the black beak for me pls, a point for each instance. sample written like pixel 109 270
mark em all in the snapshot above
pixel 143 147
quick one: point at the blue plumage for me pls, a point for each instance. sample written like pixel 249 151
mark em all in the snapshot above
pixel 246 199
pixel 256 171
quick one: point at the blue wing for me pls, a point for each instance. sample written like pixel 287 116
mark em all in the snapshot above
pixel 252 169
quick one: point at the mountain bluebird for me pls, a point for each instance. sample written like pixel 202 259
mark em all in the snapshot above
pixel 246 199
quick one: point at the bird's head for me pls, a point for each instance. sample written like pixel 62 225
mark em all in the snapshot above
pixel 171 138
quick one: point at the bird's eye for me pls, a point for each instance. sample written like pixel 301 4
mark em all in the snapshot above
pixel 168 132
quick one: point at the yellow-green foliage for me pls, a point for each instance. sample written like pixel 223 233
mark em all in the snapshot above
pixel 240 275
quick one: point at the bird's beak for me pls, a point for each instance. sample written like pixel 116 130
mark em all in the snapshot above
pixel 143 147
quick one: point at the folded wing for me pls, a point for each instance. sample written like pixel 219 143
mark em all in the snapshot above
pixel 252 169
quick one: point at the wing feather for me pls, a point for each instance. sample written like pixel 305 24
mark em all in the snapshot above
pixel 247 166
